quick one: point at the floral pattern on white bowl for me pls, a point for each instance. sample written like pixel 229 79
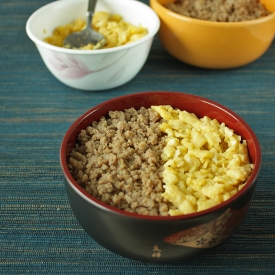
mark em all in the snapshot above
pixel 69 66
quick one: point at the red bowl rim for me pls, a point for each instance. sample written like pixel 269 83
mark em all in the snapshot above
pixel 96 202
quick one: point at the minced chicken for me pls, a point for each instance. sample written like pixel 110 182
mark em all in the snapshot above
pixel 118 161
pixel 220 10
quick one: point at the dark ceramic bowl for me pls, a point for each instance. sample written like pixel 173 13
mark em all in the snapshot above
pixel 156 238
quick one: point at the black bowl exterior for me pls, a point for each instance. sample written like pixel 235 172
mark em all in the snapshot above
pixel 150 240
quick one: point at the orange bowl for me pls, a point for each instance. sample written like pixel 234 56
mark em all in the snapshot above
pixel 215 45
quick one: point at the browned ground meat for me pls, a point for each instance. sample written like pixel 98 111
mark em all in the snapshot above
pixel 117 160
pixel 220 10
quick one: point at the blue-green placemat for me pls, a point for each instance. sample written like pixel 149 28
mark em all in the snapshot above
pixel 38 232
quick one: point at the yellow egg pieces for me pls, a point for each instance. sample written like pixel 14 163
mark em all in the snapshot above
pixel 205 162
pixel 116 31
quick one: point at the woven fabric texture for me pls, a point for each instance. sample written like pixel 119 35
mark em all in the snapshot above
pixel 38 231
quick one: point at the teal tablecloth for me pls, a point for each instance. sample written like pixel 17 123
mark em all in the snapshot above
pixel 38 232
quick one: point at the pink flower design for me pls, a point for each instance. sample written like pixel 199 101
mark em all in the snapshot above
pixel 69 66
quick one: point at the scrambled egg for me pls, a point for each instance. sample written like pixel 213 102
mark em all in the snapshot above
pixel 117 32
pixel 205 162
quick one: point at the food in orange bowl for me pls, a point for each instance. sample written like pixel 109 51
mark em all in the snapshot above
pixel 215 45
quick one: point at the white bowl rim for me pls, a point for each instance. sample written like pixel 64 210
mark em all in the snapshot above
pixel 41 43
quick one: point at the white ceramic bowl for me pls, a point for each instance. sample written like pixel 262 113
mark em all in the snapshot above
pixel 99 69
